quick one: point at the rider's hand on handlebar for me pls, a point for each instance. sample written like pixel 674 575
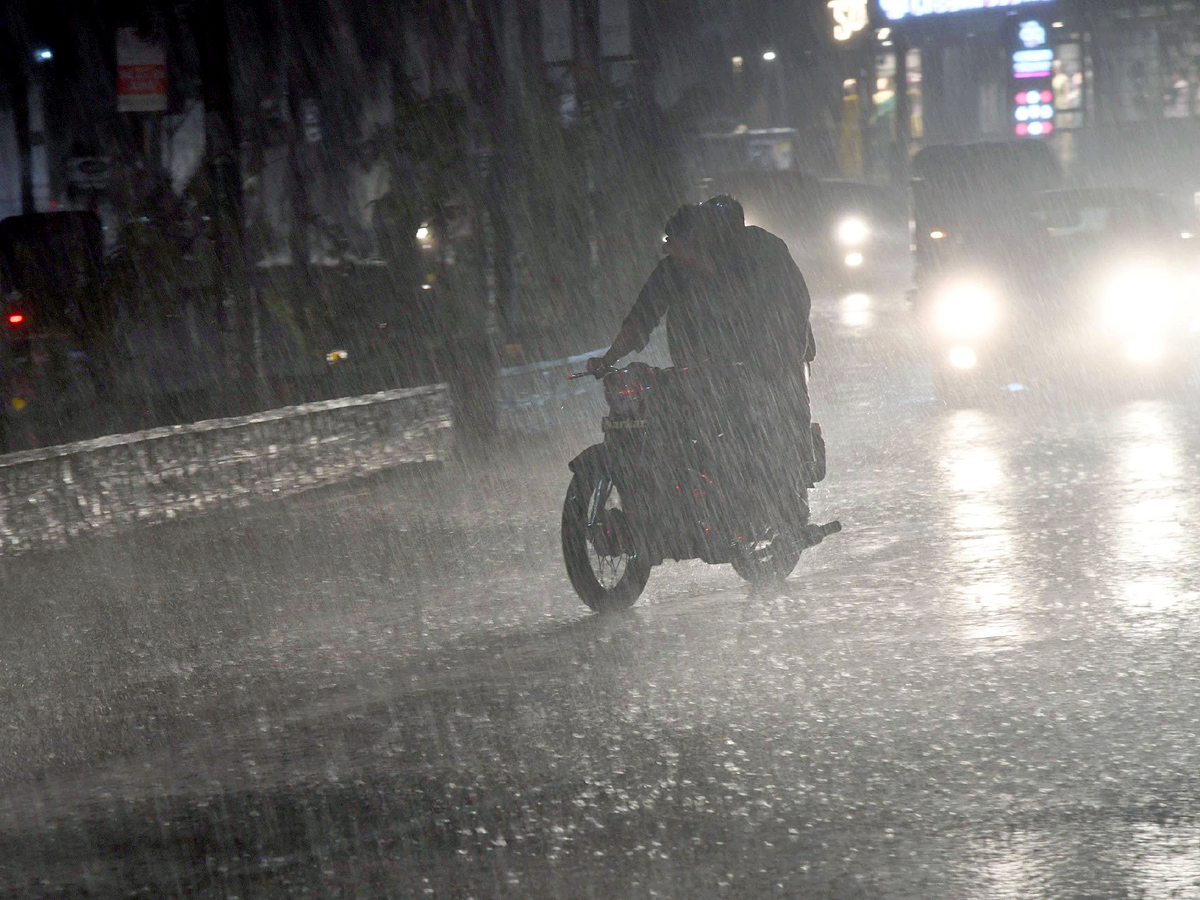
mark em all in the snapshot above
pixel 598 367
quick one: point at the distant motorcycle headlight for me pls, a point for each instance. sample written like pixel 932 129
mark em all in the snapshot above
pixel 966 310
pixel 852 232
pixel 1141 296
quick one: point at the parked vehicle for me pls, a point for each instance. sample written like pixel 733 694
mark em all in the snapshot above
pixel 55 326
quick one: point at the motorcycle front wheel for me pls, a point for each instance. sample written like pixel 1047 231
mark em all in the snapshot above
pixel 597 547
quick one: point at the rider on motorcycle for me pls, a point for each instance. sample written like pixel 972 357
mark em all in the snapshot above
pixel 738 333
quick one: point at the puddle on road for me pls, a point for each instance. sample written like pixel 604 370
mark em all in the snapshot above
pixel 980 530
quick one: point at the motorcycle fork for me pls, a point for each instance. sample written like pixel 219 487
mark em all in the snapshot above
pixel 641 497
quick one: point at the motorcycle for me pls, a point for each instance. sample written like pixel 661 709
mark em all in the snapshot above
pixel 629 508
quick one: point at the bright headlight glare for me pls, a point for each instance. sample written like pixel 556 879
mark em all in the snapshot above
pixel 963 358
pixel 1144 350
pixel 966 311
pixel 852 231
pixel 1140 296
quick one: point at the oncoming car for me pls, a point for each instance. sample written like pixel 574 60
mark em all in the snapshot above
pixel 1085 284
pixel 842 233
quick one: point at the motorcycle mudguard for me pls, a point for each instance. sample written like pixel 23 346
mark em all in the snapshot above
pixel 599 460
pixel 589 464
pixel 818 446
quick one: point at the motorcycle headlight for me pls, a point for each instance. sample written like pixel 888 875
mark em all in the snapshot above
pixel 1141 296
pixel 852 232
pixel 966 310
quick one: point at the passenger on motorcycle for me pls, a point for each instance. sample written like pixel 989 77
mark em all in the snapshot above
pixel 738 332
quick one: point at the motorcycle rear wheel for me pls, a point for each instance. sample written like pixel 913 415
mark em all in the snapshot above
pixel 605 582
pixel 771 556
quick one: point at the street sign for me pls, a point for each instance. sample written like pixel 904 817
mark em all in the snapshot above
pixel 141 73
pixel 89 171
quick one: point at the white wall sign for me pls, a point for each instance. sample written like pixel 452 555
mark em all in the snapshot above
pixel 141 73
pixel 615 38
pixel 850 17
pixel 556 31
pixel 896 10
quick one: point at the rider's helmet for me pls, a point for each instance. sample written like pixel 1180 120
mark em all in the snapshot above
pixel 723 213
pixel 714 221
pixel 721 222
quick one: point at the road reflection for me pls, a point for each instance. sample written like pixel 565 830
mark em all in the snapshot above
pixel 1146 860
pixel 1018 867
pixel 1151 502
pixel 1164 861
pixel 856 311
pixel 980 527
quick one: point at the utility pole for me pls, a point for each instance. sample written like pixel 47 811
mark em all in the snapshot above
pixel 223 153
pixel 589 87
pixel 21 119
pixel 903 111
pixel 15 58
pixel 299 108
pixel 505 35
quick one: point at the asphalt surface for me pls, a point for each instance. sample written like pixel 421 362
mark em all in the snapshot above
pixel 986 686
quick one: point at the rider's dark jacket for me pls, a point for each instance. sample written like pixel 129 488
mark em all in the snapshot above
pixel 754 312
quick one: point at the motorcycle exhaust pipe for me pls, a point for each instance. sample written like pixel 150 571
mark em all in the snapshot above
pixel 814 534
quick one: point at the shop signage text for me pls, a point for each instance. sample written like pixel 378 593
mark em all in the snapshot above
pixel 897 10
pixel 851 17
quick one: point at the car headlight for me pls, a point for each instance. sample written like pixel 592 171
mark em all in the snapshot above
pixel 1140 297
pixel 852 232
pixel 966 310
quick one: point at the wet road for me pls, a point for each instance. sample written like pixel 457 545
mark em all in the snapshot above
pixel 986 686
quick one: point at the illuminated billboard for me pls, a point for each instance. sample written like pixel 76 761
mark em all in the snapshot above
pixel 897 10
pixel 1031 88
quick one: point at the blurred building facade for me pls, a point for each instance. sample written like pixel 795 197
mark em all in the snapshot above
pixel 1118 82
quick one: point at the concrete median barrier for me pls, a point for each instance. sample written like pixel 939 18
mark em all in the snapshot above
pixel 50 495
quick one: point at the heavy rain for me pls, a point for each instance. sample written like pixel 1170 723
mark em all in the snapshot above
pixel 600 448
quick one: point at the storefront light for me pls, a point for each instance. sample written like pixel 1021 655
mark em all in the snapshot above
pixel 1035 128
pixel 1047 111
pixel 1022 129
pixel 1022 113
pixel 897 10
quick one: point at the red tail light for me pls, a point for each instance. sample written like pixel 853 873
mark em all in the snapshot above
pixel 16 318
